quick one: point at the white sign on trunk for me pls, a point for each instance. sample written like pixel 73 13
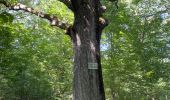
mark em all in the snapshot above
pixel 92 65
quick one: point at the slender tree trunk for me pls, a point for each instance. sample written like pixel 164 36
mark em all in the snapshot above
pixel 166 97
pixel 113 94
pixel 87 80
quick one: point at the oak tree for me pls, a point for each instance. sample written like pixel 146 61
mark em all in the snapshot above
pixel 85 34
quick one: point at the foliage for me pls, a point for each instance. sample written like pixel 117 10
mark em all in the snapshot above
pixel 35 59
pixel 136 63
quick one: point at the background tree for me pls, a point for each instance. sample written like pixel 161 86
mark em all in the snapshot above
pixel 137 55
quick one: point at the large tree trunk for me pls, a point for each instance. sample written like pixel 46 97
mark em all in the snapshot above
pixel 87 80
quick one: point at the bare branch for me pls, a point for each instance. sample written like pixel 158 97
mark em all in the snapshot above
pixel 67 3
pixel 52 19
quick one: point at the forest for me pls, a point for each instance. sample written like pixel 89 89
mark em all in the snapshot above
pixel 84 49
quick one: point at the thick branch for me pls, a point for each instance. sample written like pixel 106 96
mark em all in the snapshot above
pixel 52 19
pixel 67 3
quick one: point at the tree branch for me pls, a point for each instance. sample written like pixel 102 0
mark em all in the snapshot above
pixel 67 3
pixel 52 19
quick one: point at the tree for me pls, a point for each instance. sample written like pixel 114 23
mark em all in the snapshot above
pixel 33 66
pixel 85 34
pixel 136 59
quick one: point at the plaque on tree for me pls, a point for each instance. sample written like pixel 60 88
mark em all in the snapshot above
pixel 92 65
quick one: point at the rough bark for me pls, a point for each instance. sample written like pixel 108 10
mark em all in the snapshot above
pixel 86 33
